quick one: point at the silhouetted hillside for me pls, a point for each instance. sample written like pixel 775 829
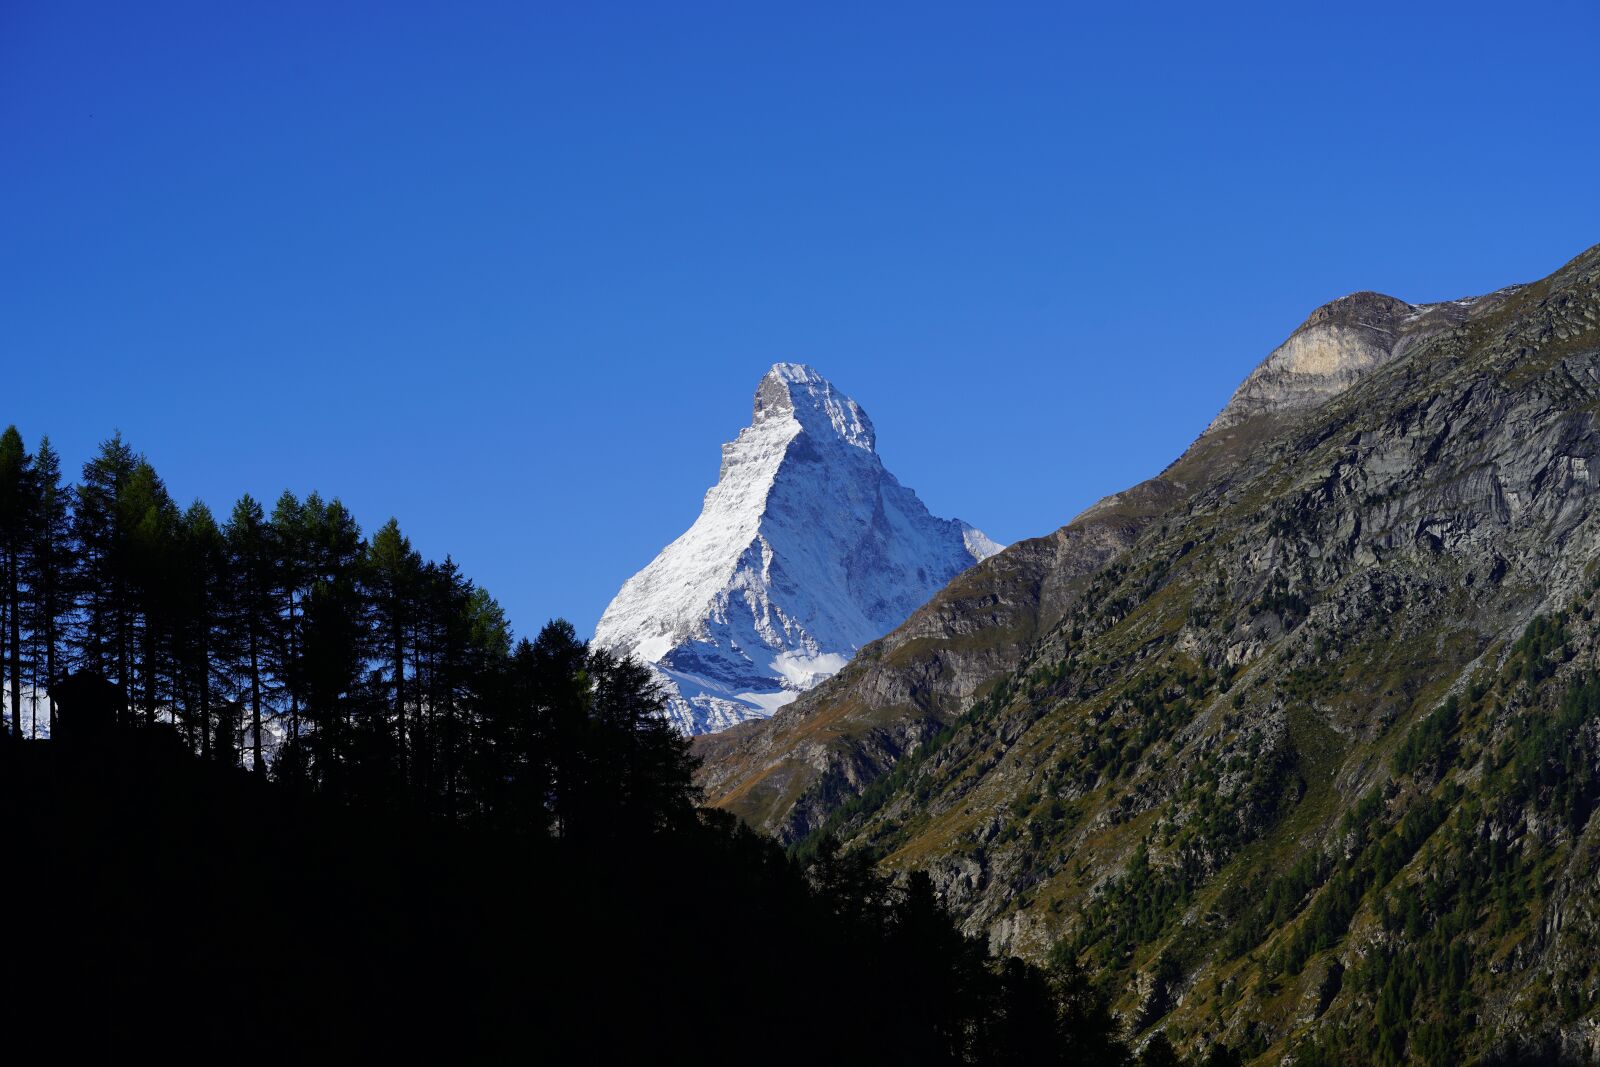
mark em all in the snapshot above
pixel 169 902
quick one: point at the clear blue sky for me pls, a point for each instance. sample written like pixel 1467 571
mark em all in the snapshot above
pixel 511 271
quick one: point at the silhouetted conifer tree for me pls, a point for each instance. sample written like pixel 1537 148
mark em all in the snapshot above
pixel 105 625
pixel 394 579
pixel 252 616
pixel 16 514
pixel 51 571
pixel 202 595
pixel 146 512
pixel 291 586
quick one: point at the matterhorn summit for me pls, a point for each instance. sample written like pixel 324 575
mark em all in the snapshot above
pixel 805 550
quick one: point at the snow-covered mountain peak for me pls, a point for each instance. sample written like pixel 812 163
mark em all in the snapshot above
pixel 794 391
pixel 804 550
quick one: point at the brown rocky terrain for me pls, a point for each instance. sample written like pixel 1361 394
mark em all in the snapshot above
pixel 1294 744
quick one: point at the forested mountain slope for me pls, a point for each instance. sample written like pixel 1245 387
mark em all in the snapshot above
pixel 1295 743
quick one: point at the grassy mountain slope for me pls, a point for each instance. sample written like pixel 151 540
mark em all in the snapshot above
pixel 1295 742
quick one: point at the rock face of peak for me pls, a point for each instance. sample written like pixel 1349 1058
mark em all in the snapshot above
pixel 806 549
pixel 794 391
pixel 1339 344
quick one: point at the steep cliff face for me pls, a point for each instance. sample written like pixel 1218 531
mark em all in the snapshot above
pixel 805 549
pixel 1338 345
pixel 1214 757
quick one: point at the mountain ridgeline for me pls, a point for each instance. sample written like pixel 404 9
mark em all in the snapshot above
pixel 1295 746
pixel 806 549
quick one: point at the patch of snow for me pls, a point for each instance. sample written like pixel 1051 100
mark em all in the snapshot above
pixel 804 671
pixel 769 702
pixel 35 706
pixel 979 543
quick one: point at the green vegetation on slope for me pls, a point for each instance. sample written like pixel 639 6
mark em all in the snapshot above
pixel 1244 775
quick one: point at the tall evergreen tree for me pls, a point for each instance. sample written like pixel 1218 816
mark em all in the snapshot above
pixel 51 570
pixel 394 578
pixel 105 637
pixel 147 512
pixel 291 585
pixel 335 638
pixel 558 707
pixel 465 641
pixel 487 643
pixel 203 595
pixel 649 779
pixel 16 516
pixel 513 759
pixel 252 611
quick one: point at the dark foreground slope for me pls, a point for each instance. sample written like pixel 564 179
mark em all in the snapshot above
pixel 164 903
pixel 1308 761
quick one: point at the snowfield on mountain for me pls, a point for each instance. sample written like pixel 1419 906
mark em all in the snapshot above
pixel 806 549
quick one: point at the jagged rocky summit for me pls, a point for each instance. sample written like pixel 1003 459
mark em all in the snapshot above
pixel 806 549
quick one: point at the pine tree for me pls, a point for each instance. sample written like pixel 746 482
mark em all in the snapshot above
pixel 488 646
pixel 439 639
pixel 51 571
pixel 290 585
pixel 336 626
pixel 105 636
pixel 394 579
pixel 650 779
pixel 252 610
pixel 465 642
pixel 513 755
pixel 147 513
pixel 16 475
pixel 204 593
pixel 558 709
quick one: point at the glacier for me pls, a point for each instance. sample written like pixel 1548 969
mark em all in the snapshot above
pixel 805 549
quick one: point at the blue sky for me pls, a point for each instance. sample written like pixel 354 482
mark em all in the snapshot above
pixel 511 271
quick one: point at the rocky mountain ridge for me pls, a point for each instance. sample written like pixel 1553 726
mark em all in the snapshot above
pixel 977 627
pixel 1113 741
